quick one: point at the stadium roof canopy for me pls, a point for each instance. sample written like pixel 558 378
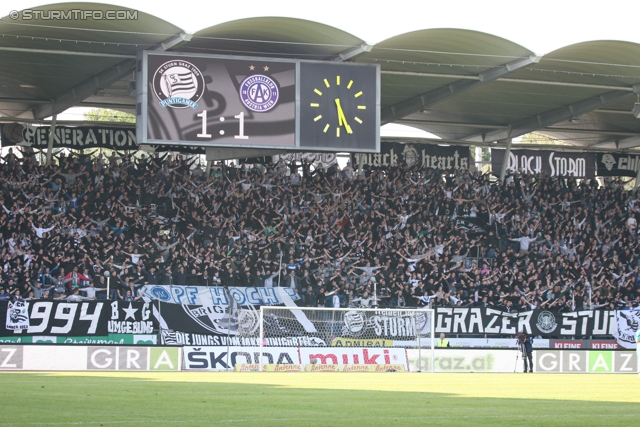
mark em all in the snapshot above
pixel 458 84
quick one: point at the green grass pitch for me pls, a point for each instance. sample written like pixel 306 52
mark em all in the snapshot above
pixel 317 399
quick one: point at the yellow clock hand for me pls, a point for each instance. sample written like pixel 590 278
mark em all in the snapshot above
pixel 342 120
pixel 339 110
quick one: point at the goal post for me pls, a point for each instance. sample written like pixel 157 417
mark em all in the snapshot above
pixel 348 327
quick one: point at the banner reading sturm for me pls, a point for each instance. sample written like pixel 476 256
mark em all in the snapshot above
pixel 553 163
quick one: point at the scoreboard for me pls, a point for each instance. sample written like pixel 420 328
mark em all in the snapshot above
pixel 245 102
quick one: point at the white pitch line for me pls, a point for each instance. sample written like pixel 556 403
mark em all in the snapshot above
pixel 501 416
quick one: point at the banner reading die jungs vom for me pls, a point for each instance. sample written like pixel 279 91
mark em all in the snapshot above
pixel 553 163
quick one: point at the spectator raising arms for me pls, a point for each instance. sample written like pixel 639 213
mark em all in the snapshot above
pixel 388 235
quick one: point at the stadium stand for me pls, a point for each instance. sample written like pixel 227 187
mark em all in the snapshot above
pixel 413 236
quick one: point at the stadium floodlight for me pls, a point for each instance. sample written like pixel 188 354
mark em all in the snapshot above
pixel 317 327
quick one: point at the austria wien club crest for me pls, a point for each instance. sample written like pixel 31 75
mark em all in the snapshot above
pixel 259 93
pixel 178 84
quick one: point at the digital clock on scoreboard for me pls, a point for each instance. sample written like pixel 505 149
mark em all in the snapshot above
pixel 221 101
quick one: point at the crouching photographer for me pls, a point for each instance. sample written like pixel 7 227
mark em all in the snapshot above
pixel 525 344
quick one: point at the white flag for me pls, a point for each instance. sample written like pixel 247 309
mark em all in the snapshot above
pixel 627 325
pixel 17 316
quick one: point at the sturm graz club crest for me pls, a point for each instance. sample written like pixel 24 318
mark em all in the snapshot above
pixel 259 93
pixel 354 323
pixel 546 322
pixel 178 84
pixel 216 319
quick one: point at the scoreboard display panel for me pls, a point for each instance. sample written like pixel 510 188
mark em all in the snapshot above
pixel 245 102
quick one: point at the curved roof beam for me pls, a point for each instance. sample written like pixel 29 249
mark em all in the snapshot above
pixel 102 80
pixel 85 89
pixel 419 102
pixel 174 41
pixel 350 54
pixel 621 144
pixel 554 116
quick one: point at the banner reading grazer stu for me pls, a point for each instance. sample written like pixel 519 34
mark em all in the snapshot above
pixel 478 320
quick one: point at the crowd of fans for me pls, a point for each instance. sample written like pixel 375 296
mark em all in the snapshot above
pixel 387 236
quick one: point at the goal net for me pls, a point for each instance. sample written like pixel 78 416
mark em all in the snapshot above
pixel 318 327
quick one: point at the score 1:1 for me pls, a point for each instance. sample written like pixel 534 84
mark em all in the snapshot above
pixel 204 133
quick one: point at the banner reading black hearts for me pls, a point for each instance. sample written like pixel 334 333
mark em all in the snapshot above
pixel 424 155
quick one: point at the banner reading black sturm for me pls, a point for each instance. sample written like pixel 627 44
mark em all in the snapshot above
pixel 537 322
pixel 553 163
